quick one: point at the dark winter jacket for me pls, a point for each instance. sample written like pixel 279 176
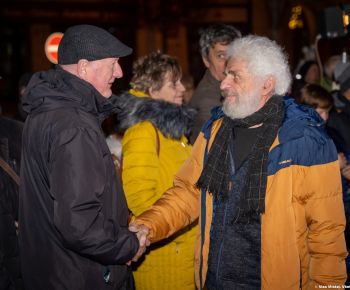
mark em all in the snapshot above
pixel 206 96
pixel 339 123
pixel 73 212
pixel 10 152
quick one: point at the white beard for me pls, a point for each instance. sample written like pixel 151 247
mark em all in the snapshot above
pixel 243 106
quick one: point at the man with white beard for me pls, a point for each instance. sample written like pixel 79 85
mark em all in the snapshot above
pixel 263 178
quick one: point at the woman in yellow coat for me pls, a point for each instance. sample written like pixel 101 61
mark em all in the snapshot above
pixel 154 147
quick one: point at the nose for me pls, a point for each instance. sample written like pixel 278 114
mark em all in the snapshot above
pixel 181 87
pixel 117 71
pixel 224 83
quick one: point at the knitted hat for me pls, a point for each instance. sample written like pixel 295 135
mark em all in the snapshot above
pixel 91 43
pixel 342 76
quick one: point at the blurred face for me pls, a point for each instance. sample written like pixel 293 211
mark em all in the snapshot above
pixel 324 113
pixel 171 91
pixel 215 61
pixel 102 73
pixel 241 90
pixel 346 94
pixel 313 75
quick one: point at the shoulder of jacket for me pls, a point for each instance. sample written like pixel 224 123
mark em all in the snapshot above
pixel 299 129
pixel 144 128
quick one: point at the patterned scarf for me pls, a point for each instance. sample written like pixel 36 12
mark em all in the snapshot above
pixel 216 174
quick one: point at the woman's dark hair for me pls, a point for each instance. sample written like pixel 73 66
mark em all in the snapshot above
pixel 316 97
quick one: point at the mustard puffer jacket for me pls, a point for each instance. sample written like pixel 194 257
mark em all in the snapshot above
pixel 302 229
pixel 154 148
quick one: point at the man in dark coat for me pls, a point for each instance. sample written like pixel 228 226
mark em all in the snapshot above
pixel 10 152
pixel 73 212
pixel 213 43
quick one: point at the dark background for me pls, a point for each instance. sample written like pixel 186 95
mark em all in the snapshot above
pixel 169 26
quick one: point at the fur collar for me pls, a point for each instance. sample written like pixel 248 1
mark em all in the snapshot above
pixel 173 121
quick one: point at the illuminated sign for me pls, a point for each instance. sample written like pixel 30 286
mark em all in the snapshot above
pixel 51 46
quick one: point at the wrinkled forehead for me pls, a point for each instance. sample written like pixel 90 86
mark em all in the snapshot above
pixel 236 64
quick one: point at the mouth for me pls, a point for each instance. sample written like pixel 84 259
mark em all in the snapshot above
pixel 227 94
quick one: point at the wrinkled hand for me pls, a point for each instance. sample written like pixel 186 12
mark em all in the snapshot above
pixel 141 233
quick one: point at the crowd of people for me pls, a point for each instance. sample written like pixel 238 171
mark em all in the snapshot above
pixel 240 182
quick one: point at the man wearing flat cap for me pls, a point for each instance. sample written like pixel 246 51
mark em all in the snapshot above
pixel 73 213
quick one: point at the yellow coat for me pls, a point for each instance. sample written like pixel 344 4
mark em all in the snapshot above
pixel 146 176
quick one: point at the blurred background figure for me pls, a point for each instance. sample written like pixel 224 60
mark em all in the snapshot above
pixel 10 153
pixel 154 146
pixel 345 171
pixel 21 115
pixel 308 73
pixel 114 143
pixel 342 103
pixel 319 99
pixel 342 76
pixel 327 79
pixel 188 82
pixel 213 43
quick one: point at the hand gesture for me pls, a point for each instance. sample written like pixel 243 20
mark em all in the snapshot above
pixel 141 233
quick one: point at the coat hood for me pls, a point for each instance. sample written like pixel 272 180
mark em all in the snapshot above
pixel 172 120
pixel 57 88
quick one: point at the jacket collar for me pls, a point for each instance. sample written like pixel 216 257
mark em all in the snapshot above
pixel 172 120
pixel 57 88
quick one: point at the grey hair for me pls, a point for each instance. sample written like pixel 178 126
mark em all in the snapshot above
pixel 217 33
pixel 264 58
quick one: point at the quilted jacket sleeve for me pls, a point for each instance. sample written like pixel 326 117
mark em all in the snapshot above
pixel 324 212
pixel 140 172
pixel 179 206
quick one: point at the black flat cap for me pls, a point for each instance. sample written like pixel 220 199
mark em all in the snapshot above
pixel 91 43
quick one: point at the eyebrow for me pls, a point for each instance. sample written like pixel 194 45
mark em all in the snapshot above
pixel 233 72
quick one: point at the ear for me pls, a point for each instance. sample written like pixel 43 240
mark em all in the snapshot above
pixel 205 61
pixel 269 86
pixel 82 68
pixel 153 93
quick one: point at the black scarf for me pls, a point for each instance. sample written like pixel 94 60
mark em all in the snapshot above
pixel 216 174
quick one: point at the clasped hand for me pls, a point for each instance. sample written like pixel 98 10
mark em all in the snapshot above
pixel 141 232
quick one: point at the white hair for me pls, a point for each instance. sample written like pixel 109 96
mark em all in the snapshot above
pixel 264 58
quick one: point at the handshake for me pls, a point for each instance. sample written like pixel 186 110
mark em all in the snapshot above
pixel 141 233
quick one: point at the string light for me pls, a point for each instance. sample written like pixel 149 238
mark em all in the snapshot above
pixel 295 20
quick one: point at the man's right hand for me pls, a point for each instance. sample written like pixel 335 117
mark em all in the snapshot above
pixel 141 232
